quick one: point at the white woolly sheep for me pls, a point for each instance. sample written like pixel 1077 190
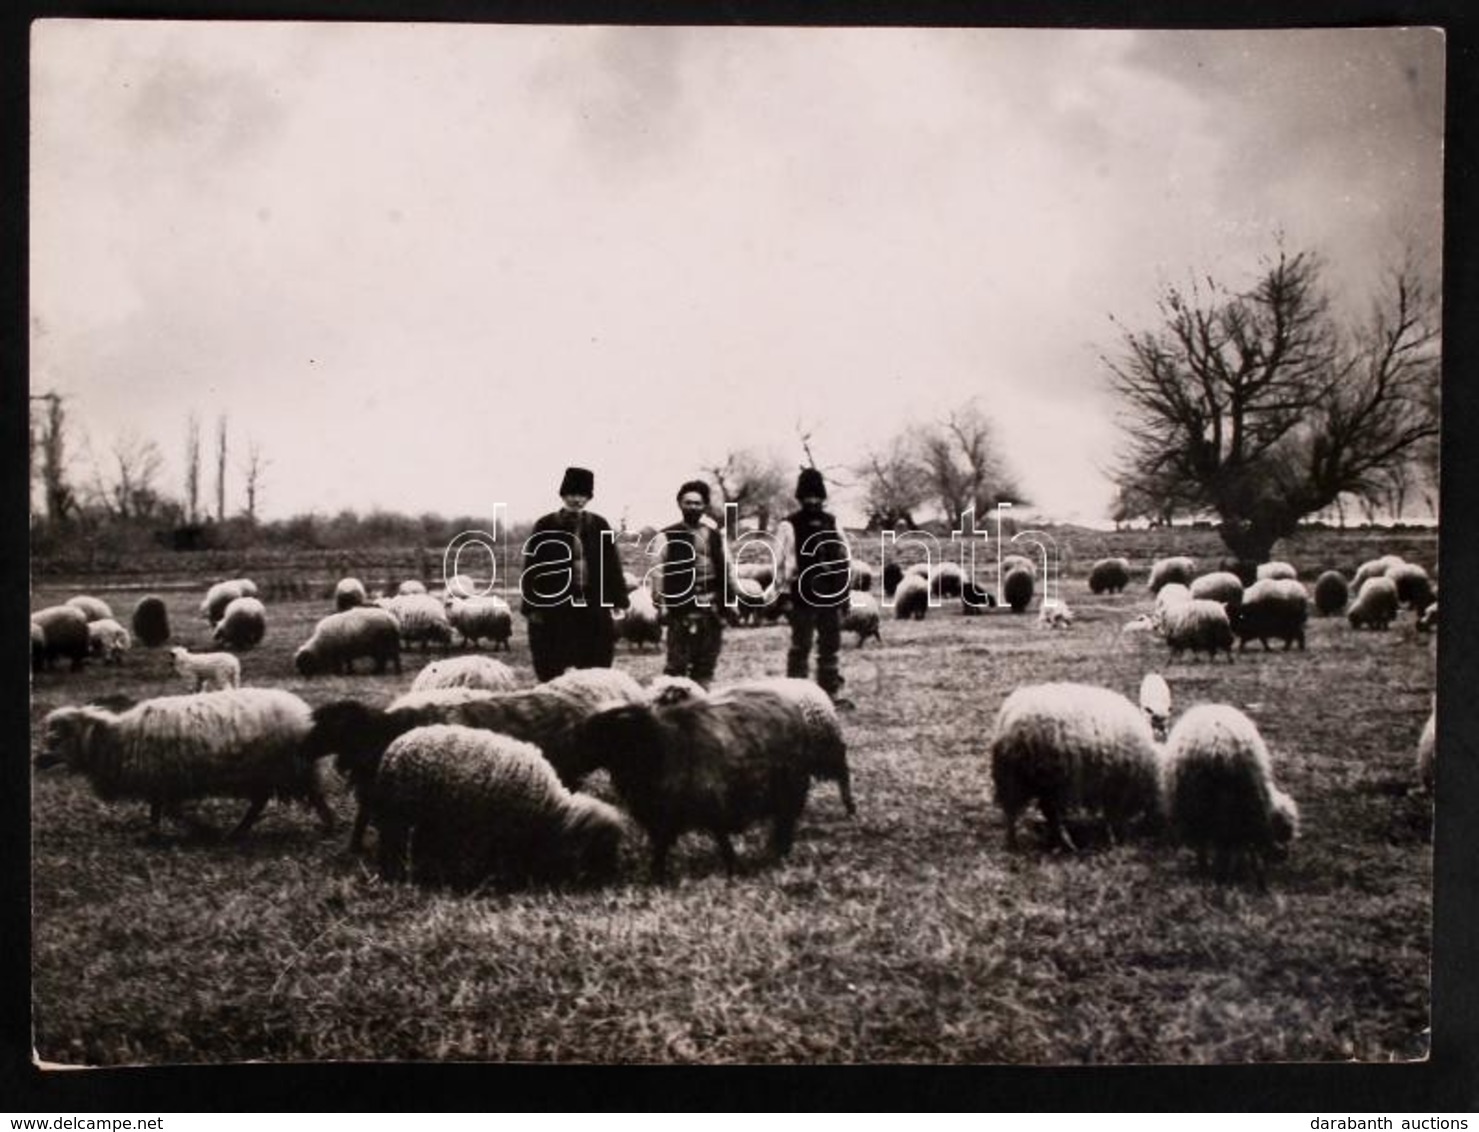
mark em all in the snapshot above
pixel 1144 623
pixel 1331 593
pixel 912 597
pixel 1375 568
pixel 754 602
pixel 1068 746
pixel 463 586
pixel 1016 588
pixel 348 593
pixel 1055 615
pixel 1276 571
pixel 1414 587
pixel 458 805
pixel 482 673
pixel 1200 626
pixel 108 640
pixel 702 764
pixel 422 618
pixel 1109 575
pixel 93 608
pixel 1175 569
pixel 1170 595
pixel 1017 562
pixel 670 689
pixel 1219 793
pixel 1272 607
pixel 206 671
pixel 342 638
pixel 240 743
pixel 946 579
pixel 64 629
pixel 818 740
pixel 410 586
pixel 598 688
pixel 1427 749
pixel 1223 586
pixel 639 625
pixel 243 624
pixel 862 617
pixel 222 594
pixel 1375 605
pixel 479 617
pixel 760 572
pixel 1155 702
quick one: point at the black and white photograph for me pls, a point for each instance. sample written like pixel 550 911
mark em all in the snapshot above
pixel 607 544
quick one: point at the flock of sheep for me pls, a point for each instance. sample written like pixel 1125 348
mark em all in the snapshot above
pixel 469 776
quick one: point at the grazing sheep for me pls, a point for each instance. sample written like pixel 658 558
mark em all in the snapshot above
pixel 1223 586
pixel 639 625
pixel 108 640
pixel 893 573
pixel 1168 597
pixel 920 570
pixel 912 597
pixel 479 617
pixel 718 767
pixel 1273 607
pixel 1144 623
pixel 598 688
pixel 151 621
pixel 243 624
pixel 1155 702
pixel 93 608
pixel 348 593
pixel 1331 593
pixel 422 618
pixel 1199 625
pixel 1176 569
pixel 755 603
pixel 457 805
pixel 818 740
pixel 1427 620
pixel 1375 605
pixel 342 638
pixel 1018 562
pixel 410 586
pixel 1109 575
pixel 1414 587
pixel 760 572
pixel 64 631
pixel 1016 588
pixel 1056 615
pixel 206 671
pixel 862 575
pixel 946 579
pixel 1375 568
pixel 973 598
pixel 1427 749
pixel 1068 746
pixel 463 586
pixel 862 617
pixel 1276 571
pixel 1219 792
pixel 239 743
pixel 222 594
pixel 478 672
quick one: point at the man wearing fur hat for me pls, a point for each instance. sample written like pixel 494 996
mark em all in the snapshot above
pixel 814 576
pixel 571 581
pixel 696 574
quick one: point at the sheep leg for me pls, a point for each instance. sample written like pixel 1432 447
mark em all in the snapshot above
pixel 254 811
pixel 726 852
pixel 357 833
pixel 1057 831
pixel 844 786
pixel 395 840
pixel 321 808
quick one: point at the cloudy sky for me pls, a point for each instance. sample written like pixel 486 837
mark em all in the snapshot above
pixel 424 267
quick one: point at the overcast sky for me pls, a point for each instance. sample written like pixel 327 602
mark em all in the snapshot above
pixel 425 267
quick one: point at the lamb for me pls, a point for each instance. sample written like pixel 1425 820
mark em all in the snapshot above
pixel 1055 615
pixel 1176 569
pixel 639 625
pixel 1414 587
pixel 818 740
pixel 479 617
pixel 912 597
pixel 421 618
pixel 464 804
pixel 342 638
pixel 243 624
pixel 238 743
pixel 1427 749
pixel 1272 608
pixel 1276 571
pixel 1375 605
pixel 348 593
pixel 108 640
pixel 222 594
pixel 64 634
pixel 151 621
pixel 1331 593
pixel 862 617
pixel 1109 575
pixel 93 608
pixel 481 673
pixel 1199 625
pixel 1155 702
pixel 1223 586
pixel 1375 568
pixel 1219 794
pixel 1016 588
pixel 719 767
pixel 1069 746
pixel 206 671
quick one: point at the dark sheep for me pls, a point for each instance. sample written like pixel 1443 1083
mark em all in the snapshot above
pixel 1016 589
pixel 1331 593
pixel 151 621
pixel 1109 576
pixel 892 574
pixel 974 599
pixel 64 628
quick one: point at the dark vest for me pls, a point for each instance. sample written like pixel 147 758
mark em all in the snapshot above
pixel 679 575
pixel 823 570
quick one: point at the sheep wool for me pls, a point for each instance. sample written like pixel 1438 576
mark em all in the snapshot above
pixel 1331 593
pixel 1219 793
pixel 1375 606
pixel 818 740
pixel 243 624
pixel 1414 587
pixel 912 597
pixel 1168 597
pixel 479 617
pixel 1223 586
pixel 422 618
pixel 1073 746
pixel 207 671
pixel 1155 702
pixel 597 688
pixel 1109 575
pixel 222 594
pixel 1176 569
pixel 1198 625
pixel 946 579
pixel 639 625
pixel 348 593
pixel 151 621
pixel 93 608
pixel 1375 568
pixel 457 805
pixel 64 633
pixel 1018 562
pixel 342 638
pixel 1275 571
pixel 108 640
pixel 862 575
pixel 1273 607
pixel 1055 615
pixel 481 673
pixel 1427 749
pixel 862 617
pixel 1016 588
pixel 410 586
pixel 240 743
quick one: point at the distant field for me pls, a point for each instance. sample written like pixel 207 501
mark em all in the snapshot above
pixel 906 934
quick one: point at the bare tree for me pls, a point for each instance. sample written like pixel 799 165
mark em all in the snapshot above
pixel 964 469
pixel 192 469
pixel 253 468
pixel 126 489
pixel 895 483
pixel 758 484
pixel 60 500
pixel 221 468
pixel 1265 409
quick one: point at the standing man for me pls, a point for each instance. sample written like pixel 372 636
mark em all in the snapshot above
pixel 696 574
pixel 571 580
pixel 813 575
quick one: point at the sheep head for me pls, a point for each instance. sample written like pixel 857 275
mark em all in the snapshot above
pixel 356 734
pixel 68 735
pixel 627 741
pixel 306 662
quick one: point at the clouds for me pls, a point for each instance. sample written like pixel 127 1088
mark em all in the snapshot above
pixel 470 255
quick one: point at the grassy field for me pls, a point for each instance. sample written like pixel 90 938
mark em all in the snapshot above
pixel 907 934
